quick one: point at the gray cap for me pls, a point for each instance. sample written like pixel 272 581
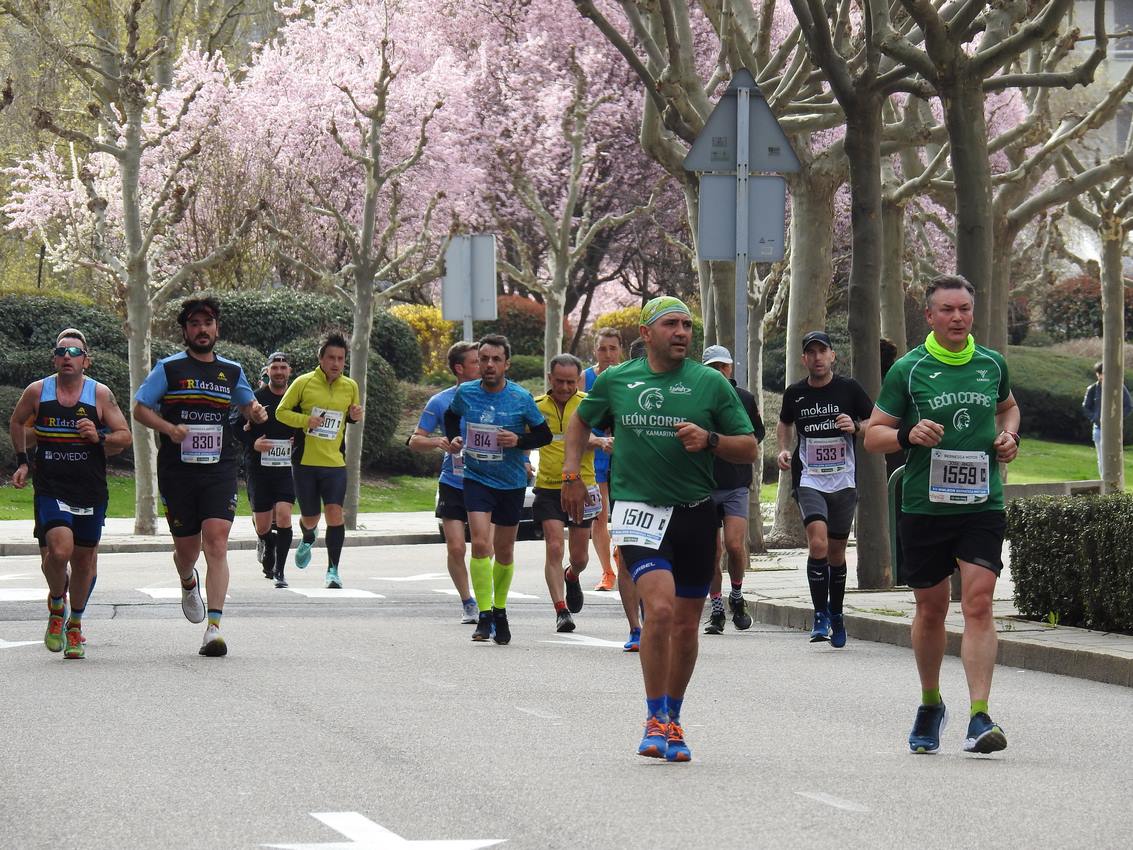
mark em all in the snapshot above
pixel 716 354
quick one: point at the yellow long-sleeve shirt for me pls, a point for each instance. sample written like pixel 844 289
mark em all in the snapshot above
pixel 311 392
pixel 551 456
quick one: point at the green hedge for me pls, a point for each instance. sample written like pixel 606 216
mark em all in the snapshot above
pixel 34 321
pixel 9 395
pixel 520 319
pixel 1072 559
pixel 383 395
pixel 525 366
pixel 265 318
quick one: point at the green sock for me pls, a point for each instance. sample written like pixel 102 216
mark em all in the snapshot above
pixel 930 696
pixel 501 578
pixel 480 570
pixel 978 705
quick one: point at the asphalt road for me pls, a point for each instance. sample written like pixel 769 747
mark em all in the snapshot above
pixel 376 722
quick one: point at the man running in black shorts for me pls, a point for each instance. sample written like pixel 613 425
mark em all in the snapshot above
pixel 826 411
pixel 74 422
pixel 672 417
pixel 186 399
pixel 267 459
pixel 733 486
pixel 948 403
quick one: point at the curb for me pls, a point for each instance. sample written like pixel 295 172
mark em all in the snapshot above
pixel 1016 649
pixel 165 544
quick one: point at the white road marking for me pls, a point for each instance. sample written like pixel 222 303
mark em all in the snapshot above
pixel 167 592
pixel 21 594
pixel 12 644
pixel 584 640
pixel 607 594
pixel 14 576
pixel 331 593
pixel 363 834
pixel 538 714
pixel 421 577
pixel 836 802
pixel 512 594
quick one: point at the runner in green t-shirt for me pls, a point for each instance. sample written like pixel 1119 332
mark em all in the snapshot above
pixel 949 403
pixel 672 417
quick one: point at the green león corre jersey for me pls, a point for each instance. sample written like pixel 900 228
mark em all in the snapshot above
pixel 962 399
pixel 649 463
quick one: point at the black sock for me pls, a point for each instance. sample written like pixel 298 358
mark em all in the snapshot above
pixel 282 547
pixel 308 534
pixel 837 587
pixel 818 575
pixel 336 534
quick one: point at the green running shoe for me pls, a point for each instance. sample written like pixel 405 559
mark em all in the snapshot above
pixel 53 637
pixel 74 648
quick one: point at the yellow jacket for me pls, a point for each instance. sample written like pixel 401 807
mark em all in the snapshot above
pixel 550 475
pixel 322 447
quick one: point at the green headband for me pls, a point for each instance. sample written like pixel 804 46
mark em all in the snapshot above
pixel 662 306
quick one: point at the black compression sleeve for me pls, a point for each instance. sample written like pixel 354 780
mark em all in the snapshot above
pixel 538 436
pixel 452 424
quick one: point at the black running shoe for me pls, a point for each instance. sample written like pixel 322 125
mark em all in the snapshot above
pixel 503 630
pixel 483 627
pixel 715 623
pixel 564 622
pixel 573 593
pixel 267 560
pixel 741 619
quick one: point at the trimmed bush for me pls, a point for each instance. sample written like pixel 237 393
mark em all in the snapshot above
pixel 34 321
pixel 1072 560
pixel 521 320
pixel 394 340
pixel 8 398
pixel 434 335
pixel 525 366
pixel 383 395
pixel 1072 308
pixel 251 359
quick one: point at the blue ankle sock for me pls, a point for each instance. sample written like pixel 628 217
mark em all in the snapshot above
pixel 673 707
pixel 656 708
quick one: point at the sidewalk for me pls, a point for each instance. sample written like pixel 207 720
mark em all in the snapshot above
pixel 776 585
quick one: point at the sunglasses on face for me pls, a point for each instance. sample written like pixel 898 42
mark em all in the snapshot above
pixel 70 351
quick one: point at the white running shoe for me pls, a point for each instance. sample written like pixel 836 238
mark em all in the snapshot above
pixel 213 645
pixel 192 605
pixel 471 613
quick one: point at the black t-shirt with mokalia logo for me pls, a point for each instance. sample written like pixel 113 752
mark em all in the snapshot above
pixel 824 457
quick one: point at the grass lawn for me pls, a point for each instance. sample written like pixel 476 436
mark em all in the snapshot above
pixel 379 495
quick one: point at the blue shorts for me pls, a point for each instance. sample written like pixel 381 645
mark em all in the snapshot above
pixel 86 529
pixel 505 506
pixel 316 486
pixel 601 467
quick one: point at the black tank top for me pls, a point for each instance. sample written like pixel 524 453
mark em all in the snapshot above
pixel 67 467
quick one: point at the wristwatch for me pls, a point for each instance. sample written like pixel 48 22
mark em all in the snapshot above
pixel 713 440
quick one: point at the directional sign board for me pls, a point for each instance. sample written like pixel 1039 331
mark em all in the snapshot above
pixel 469 288
pixel 715 147
pixel 767 208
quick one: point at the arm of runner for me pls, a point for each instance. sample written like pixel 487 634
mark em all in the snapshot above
pixel 254 412
pixel 422 441
pixel 733 448
pixel 882 434
pixel 783 438
pixel 285 411
pixel 152 419
pixel 539 435
pixel 119 436
pixel 1007 420
pixel 24 411
pixel 573 495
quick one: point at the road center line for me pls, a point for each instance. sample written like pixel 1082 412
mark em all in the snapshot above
pixel 836 802
pixel 538 714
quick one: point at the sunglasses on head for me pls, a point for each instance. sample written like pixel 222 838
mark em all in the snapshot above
pixel 70 350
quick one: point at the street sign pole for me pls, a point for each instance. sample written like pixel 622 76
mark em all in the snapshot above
pixel 739 353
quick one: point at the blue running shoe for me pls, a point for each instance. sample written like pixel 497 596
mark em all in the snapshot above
pixel 634 642
pixel 931 721
pixel 676 748
pixel 837 631
pixel 333 581
pixel 984 735
pixel 303 555
pixel 655 743
pixel 821 629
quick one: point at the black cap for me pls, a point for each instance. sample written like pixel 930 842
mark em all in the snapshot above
pixel 816 336
pixel 279 357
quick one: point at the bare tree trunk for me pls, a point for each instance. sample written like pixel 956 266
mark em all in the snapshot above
pixel 163 63
pixel 863 150
pixel 971 167
pixel 893 276
pixel 812 223
pixel 555 301
pixel 724 304
pixel 1113 363
pixel 703 267
pixel 754 354
pixel 359 364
